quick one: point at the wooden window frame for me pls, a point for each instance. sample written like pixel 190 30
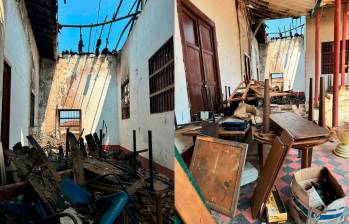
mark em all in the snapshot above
pixel 326 65
pixel 187 5
pixel 161 78
pixel 125 107
pixel 69 126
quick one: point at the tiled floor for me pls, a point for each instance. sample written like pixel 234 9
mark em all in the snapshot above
pixel 322 156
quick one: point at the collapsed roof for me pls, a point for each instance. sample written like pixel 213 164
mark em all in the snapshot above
pixel 43 18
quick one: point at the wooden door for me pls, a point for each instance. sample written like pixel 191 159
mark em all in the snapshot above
pixel 209 65
pixel 200 58
pixel 5 115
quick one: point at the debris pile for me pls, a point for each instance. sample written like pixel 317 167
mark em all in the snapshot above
pixel 52 189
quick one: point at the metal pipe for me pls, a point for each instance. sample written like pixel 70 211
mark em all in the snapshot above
pixel 151 175
pixel 344 42
pixel 317 48
pixel 337 22
pixel 266 107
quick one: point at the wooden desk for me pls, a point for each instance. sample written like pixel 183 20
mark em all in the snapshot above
pixel 298 127
pixel 306 135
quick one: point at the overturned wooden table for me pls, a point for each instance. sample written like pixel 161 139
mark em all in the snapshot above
pixel 306 135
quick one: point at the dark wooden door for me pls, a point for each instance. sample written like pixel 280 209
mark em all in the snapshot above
pixel 200 59
pixel 6 99
pixel 209 66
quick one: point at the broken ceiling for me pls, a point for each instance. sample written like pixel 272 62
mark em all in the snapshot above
pixel 43 19
pixel 274 9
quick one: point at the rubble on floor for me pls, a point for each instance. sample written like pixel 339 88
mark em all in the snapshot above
pixel 40 182
pixel 285 123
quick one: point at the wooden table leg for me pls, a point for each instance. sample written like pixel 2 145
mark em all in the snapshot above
pixel 260 156
pixel 307 155
pixel 310 156
pixel 304 158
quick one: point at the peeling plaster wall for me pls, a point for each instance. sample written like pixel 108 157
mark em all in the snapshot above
pixel 80 82
pixel 152 29
pixel 285 56
pixel 326 34
pixel 21 53
pixel 232 43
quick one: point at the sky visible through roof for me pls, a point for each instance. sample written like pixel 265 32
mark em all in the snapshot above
pixel 86 12
pixel 274 25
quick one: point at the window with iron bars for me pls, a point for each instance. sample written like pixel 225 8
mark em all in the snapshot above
pixel 70 118
pixel 327 57
pixel 161 79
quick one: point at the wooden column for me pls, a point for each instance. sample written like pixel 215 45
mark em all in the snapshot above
pixel 317 47
pixel 266 107
pixel 310 100
pixel 344 42
pixel 322 112
pixel 337 22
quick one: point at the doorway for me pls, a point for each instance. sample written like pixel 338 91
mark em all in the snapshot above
pixel 6 100
pixel 200 58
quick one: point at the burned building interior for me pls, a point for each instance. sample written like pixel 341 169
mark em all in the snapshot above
pixel 70 153
pixel 174 111
pixel 262 125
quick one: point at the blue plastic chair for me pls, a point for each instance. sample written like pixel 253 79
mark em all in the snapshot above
pixel 76 195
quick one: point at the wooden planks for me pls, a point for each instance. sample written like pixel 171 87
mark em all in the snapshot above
pixel 217 167
pixel 77 157
pixel 298 127
pixel 188 203
pixel 269 173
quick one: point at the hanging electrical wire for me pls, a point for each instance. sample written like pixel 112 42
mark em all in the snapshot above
pixel 98 12
pixel 132 15
pixel 99 41
pixel 81 43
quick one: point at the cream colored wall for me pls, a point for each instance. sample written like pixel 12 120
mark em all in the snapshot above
pixel 21 53
pixel 326 34
pixel 286 56
pixel 81 82
pixel 152 29
pixel 229 46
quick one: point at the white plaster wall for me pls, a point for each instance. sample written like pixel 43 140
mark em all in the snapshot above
pixel 286 56
pixel 152 29
pixel 81 82
pixel 224 15
pixel 326 34
pixel 22 55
